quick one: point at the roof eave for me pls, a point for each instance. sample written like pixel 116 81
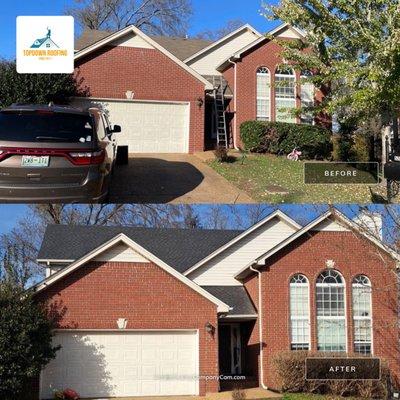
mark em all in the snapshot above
pixel 136 31
pixel 44 284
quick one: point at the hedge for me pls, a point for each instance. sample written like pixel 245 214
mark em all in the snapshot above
pixel 281 138
pixel 289 374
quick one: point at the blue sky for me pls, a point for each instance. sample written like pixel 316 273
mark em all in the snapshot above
pixel 208 14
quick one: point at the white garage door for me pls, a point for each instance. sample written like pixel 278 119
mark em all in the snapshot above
pixel 122 364
pixel 148 127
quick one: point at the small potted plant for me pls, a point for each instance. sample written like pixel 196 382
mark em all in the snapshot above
pixel 67 394
pixel 70 394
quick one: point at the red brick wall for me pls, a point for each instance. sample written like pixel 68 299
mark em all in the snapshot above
pixel 267 54
pixel 308 256
pixel 150 74
pixel 97 294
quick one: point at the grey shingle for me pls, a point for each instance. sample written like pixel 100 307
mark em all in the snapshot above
pixel 235 296
pixel 181 48
pixel 179 248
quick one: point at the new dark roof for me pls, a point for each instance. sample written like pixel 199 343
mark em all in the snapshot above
pixel 179 248
pixel 235 296
pixel 181 48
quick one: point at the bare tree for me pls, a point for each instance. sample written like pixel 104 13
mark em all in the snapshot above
pixel 219 33
pixel 160 17
pixel 14 265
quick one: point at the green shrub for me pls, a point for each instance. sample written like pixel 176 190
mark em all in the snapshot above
pixel 37 88
pixel 26 332
pixel 289 367
pixel 341 145
pixel 252 134
pixel 360 149
pixel 282 138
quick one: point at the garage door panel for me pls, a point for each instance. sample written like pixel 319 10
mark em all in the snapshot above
pixel 118 364
pixel 147 127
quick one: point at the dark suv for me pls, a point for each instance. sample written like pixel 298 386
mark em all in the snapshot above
pixel 55 154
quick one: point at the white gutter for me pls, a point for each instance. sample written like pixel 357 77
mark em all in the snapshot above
pixel 260 326
pixel 234 101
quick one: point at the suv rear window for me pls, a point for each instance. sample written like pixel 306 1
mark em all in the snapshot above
pixel 45 127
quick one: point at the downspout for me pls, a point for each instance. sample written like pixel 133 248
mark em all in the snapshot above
pixel 234 101
pixel 260 326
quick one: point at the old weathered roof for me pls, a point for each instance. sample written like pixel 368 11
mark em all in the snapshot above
pixel 179 248
pixel 181 48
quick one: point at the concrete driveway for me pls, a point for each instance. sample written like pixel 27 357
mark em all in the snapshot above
pixel 171 178
pixel 250 394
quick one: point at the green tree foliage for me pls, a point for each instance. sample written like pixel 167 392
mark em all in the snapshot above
pixel 36 88
pixel 355 49
pixel 25 340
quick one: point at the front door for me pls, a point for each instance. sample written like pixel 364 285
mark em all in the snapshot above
pixel 230 349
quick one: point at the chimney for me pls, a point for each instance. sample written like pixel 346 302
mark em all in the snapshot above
pixel 370 222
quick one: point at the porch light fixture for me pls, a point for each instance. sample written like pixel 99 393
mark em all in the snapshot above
pixel 209 328
pixel 200 102
pixel 330 264
pixel 122 323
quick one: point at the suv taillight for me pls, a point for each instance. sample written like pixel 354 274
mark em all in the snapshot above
pixel 87 157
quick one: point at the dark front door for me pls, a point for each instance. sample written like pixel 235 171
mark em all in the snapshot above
pixel 229 349
pixel 224 339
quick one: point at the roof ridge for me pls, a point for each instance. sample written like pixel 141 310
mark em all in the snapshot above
pixel 144 227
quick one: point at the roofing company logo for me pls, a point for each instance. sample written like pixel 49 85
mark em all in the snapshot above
pixel 45 44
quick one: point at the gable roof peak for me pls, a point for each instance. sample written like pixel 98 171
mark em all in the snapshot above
pixel 223 39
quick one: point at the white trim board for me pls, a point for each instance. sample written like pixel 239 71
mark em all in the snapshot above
pixel 221 306
pixel 136 31
pixel 124 100
pixel 279 214
pixel 218 42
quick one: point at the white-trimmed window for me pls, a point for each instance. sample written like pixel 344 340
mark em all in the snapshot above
pixel 263 94
pixel 285 94
pixel 331 315
pixel 299 313
pixel 362 314
pixel 307 98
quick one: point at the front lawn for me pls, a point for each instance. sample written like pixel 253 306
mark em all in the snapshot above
pixel 273 179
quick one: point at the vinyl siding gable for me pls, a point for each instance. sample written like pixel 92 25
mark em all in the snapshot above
pixel 206 63
pixel 222 269
pixel 121 253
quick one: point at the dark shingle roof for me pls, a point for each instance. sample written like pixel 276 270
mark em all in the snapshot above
pixel 179 248
pixel 181 48
pixel 235 296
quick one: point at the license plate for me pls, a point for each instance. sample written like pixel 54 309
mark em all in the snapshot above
pixel 35 161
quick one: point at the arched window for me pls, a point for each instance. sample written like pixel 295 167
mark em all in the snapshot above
pixel 307 97
pixel 331 315
pixel 263 94
pixel 362 314
pixel 299 313
pixel 285 94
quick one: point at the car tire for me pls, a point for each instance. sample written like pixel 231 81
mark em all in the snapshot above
pixel 122 155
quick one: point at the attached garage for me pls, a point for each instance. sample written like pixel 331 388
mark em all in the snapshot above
pixel 124 363
pixel 148 126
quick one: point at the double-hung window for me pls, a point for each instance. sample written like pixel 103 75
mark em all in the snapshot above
pixel 299 313
pixel 331 315
pixel 362 314
pixel 263 94
pixel 285 94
